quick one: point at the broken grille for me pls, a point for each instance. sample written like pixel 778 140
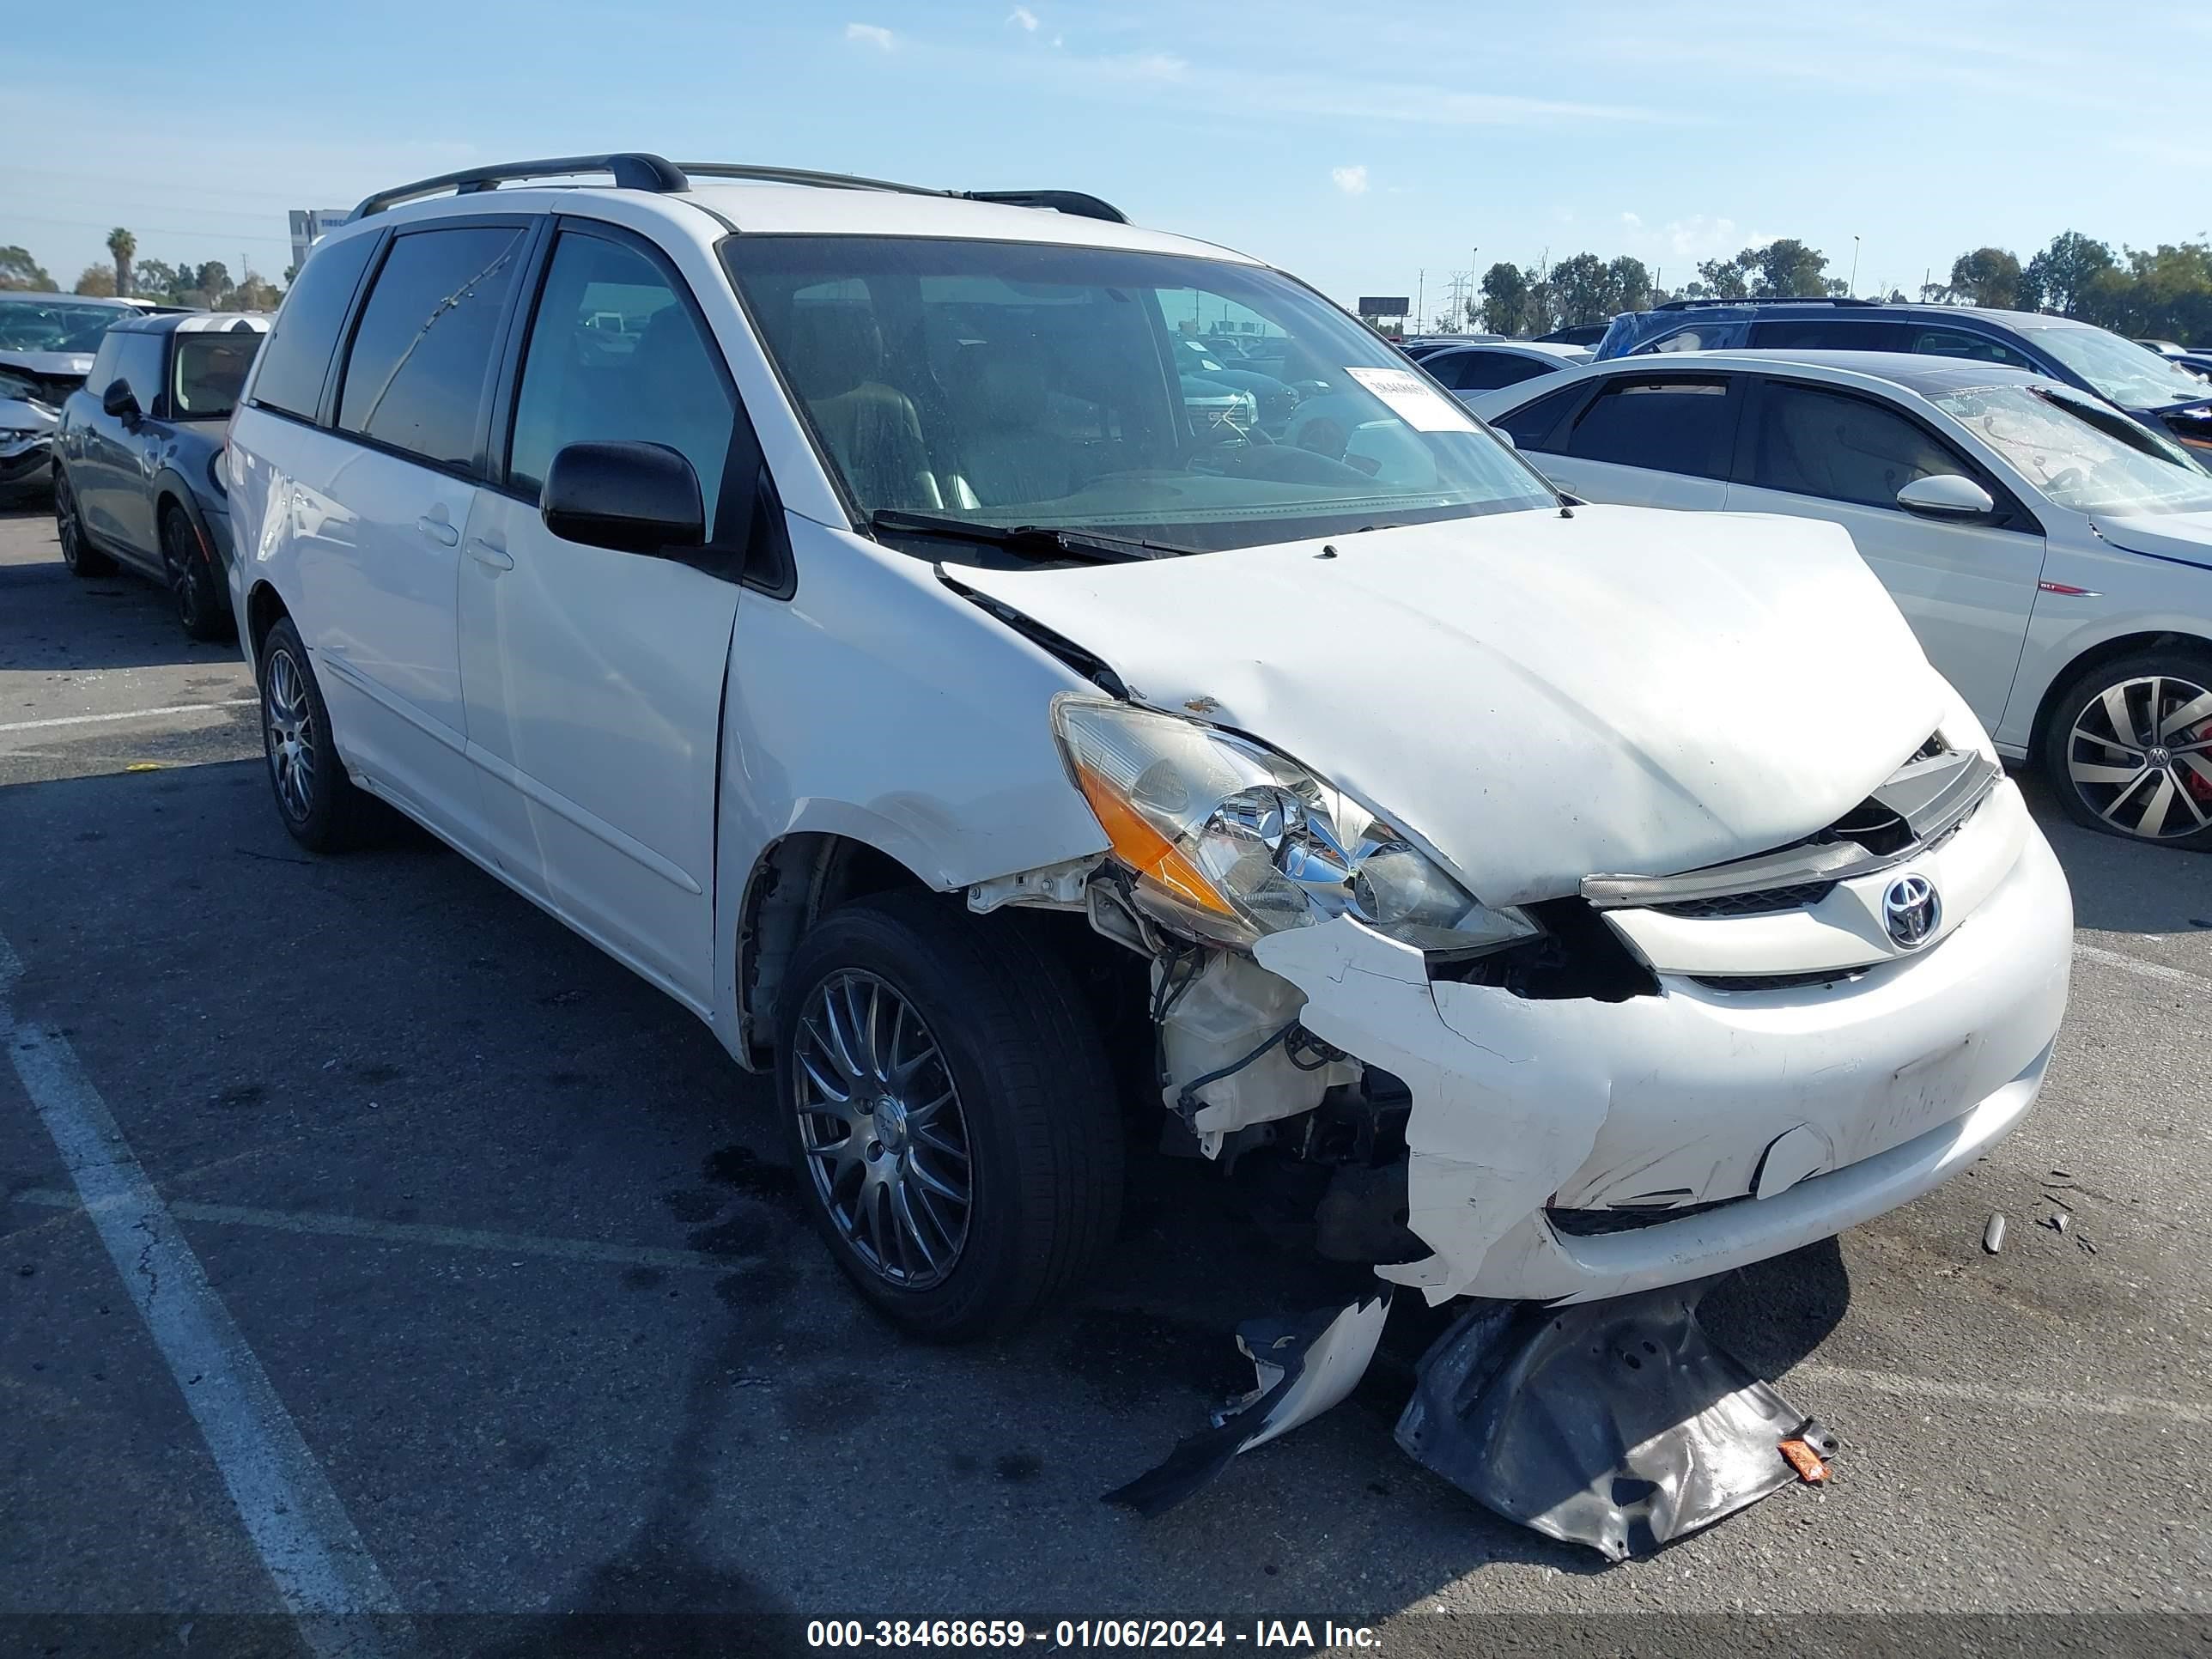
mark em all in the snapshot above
pixel 1767 901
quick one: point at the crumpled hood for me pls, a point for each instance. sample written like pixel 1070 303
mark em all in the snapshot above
pixel 19 415
pixel 1539 699
pixel 2184 536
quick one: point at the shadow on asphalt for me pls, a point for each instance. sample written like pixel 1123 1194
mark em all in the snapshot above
pixel 2122 886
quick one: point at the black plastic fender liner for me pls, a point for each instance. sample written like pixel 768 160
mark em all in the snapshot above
pixel 1616 1423
pixel 1305 1364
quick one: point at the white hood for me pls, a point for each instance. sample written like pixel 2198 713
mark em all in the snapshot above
pixel 2184 536
pixel 1539 699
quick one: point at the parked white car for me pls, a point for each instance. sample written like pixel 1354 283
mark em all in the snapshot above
pixel 1495 365
pixel 2054 556
pixel 878 658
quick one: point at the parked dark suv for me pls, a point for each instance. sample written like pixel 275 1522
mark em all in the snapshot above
pixel 2161 395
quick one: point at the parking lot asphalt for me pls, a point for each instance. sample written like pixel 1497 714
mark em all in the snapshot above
pixel 514 1245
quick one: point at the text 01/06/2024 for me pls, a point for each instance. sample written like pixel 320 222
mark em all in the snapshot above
pixel 1072 1633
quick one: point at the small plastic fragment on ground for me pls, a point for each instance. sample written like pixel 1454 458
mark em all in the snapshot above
pixel 1993 1235
pixel 2086 1245
pixel 2059 1221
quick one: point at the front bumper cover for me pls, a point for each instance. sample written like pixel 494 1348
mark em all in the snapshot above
pixel 1895 1082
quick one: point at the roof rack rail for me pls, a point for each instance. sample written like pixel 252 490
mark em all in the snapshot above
pixel 636 170
pixel 1076 201
pixel 632 171
pixel 1777 299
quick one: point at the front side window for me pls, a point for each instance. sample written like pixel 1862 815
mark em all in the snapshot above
pixel 1957 342
pixel 210 368
pixel 1841 448
pixel 2080 454
pixel 615 354
pixel 422 352
pixel 1186 400
pixel 292 370
pixel 1686 426
pixel 1531 425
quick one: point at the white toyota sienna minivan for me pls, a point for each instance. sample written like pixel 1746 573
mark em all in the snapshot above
pixel 857 609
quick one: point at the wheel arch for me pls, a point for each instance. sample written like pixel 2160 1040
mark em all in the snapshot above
pixel 2095 656
pixel 264 608
pixel 796 880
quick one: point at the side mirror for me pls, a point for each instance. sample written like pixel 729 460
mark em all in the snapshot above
pixel 1946 495
pixel 632 497
pixel 1502 436
pixel 118 401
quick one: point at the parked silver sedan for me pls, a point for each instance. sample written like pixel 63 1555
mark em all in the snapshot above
pixel 2054 556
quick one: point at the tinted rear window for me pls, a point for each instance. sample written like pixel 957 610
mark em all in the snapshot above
pixel 1828 334
pixel 298 353
pixel 423 349
pixel 1669 426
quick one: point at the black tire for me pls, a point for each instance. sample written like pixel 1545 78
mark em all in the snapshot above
pixel 1032 1098
pixel 2088 766
pixel 326 813
pixel 202 609
pixel 86 562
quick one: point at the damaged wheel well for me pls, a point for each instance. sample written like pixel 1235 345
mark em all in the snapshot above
pixel 797 880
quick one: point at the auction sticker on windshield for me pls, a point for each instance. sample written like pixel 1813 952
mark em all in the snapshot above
pixel 1413 400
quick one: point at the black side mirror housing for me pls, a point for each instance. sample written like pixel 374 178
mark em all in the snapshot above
pixel 118 401
pixel 631 497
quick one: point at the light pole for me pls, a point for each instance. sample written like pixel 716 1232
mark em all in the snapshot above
pixel 1854 288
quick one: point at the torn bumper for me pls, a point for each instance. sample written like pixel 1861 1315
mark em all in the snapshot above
pixel 1866 1093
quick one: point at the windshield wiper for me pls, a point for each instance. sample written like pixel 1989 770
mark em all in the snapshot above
pixel 1029 541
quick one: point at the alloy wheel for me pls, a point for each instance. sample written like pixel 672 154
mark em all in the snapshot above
pixel 289 729
pixel 880 1125
pixel 176 564
pixel 66 529
pixel 2140 755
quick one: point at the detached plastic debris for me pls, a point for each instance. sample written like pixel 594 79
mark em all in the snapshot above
pixel 1617 1424
pixel 1304 1365
pixel 1993 1235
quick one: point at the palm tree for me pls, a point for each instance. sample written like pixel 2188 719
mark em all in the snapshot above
pixel 121 244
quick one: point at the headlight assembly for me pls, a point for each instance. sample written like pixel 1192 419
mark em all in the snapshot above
pixel 1231 841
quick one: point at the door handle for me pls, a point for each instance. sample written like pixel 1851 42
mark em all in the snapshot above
pixel 439 529
pixel 490 558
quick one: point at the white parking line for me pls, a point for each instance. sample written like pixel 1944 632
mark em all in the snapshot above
pixel 413 1232
pixel 2147 969
pixel 127 714
pixel 323 1573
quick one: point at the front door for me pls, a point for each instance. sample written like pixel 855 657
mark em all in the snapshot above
pixel 1967 588
pixel 593 679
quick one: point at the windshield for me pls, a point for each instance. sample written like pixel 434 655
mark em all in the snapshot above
pixel 210 368
pixel 2081 455
pixel 1016 384
pixel 2120 369
pixel 38 325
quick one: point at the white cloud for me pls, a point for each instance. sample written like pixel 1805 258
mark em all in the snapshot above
pixel 1633 221
pixel 1025 17
pixel 1352 180
pixel 871 34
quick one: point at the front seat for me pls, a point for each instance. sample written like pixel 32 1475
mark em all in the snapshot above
pixel 871 429
pixel 1009 455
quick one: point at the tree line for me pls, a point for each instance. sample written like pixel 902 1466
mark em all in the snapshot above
pixel 2163 293
pixel 206 287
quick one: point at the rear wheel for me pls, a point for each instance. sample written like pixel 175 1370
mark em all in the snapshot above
pixel 2128 747
pixel 950 1110
pixel 191 578
pixel 318 803
pixel 83 559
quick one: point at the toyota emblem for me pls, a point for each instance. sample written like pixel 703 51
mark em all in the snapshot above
pixel 1910 909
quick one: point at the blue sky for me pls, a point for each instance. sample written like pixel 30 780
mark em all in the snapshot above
pixel 1356 153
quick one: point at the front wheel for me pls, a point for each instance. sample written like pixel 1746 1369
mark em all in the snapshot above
pixel 83 559
pixel 2128 747
pixel 950 1110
